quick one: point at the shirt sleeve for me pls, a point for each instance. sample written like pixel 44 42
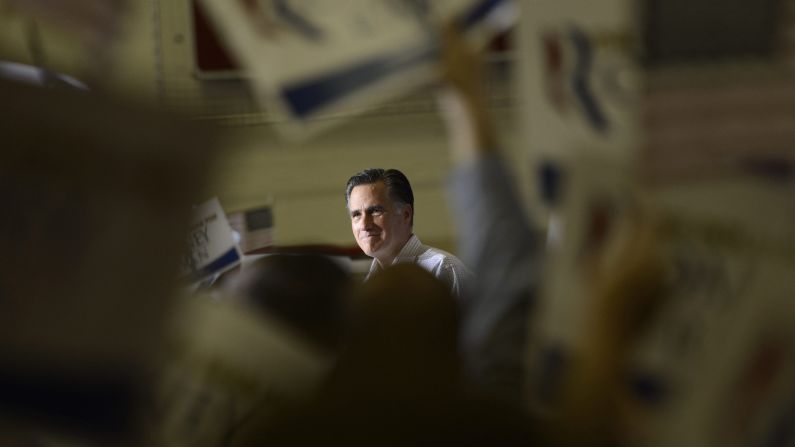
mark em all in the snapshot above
pixel 454 273
pixel 504 252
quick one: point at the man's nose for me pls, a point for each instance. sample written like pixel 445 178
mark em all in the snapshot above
pixel 367 221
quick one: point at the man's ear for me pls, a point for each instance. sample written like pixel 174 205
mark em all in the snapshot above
pixel 408 212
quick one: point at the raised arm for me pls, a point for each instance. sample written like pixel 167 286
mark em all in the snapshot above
pixel 496 238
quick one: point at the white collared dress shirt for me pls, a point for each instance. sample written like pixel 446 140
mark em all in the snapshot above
pixel 439 263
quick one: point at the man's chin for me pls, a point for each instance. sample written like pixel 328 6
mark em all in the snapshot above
pixel 371 250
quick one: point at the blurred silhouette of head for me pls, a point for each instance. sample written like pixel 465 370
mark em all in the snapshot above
pixel 402 334
pixel 308 293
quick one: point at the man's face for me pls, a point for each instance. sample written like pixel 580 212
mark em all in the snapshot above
pixel 381 226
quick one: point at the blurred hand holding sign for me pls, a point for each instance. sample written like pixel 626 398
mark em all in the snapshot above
pixel 309 58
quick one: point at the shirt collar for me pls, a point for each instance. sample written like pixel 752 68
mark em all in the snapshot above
pixel 409 253
pixel 410 250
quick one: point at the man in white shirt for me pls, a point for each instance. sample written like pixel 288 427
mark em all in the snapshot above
pixel 381 206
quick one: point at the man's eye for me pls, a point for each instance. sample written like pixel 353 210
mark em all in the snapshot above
pixel 377 212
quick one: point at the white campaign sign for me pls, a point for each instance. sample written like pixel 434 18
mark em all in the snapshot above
pixel 211 246
pixel 307 58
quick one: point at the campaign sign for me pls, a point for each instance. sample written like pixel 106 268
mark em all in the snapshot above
pixel 238 365
pixel 314 58
pixel 211 246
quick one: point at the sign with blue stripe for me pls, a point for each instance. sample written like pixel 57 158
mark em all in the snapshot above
pixel 212 248
pixel 308 59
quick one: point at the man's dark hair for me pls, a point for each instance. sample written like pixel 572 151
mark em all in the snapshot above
pixel 397 185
